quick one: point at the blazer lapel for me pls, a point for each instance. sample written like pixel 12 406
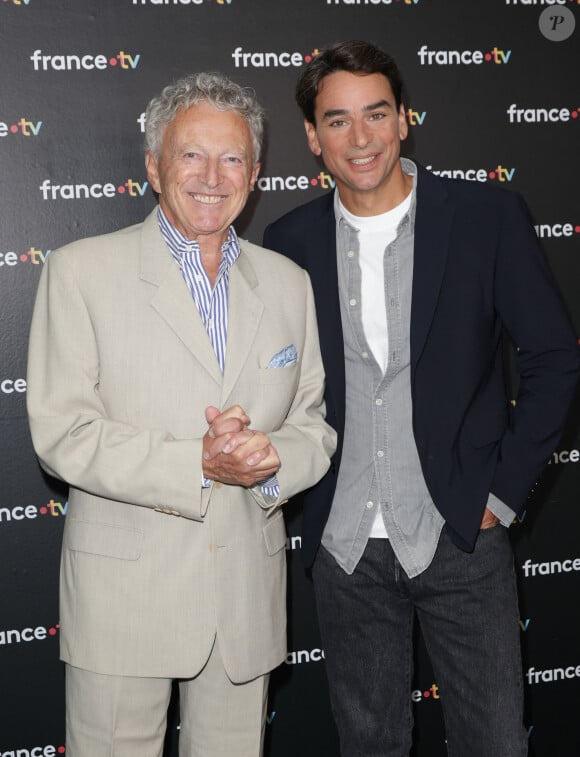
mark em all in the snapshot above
pixel 172 299
pixel 433 219
pixel 323 271
pixel 245 310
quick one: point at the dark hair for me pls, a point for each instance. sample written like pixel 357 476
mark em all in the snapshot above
pixel 355 56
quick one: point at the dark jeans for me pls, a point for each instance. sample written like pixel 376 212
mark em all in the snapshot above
pixel 467 608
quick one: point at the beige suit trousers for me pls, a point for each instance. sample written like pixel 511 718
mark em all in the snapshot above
pixel 124 716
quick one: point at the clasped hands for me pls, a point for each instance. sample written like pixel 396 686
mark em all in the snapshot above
pixel 233 453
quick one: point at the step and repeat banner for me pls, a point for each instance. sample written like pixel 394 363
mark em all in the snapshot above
pixel 493 96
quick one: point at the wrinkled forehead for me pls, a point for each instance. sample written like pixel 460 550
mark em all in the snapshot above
pixel 205 124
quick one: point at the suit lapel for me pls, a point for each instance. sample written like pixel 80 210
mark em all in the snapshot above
pixel 433 221
pixel 172 299
pixel 245 310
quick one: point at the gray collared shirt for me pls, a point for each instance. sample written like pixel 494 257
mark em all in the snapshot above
pixel 380 466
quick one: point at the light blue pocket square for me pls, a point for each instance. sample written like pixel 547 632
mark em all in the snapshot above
pixel 287 356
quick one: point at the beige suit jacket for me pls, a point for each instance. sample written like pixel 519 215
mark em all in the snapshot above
pixel 120 373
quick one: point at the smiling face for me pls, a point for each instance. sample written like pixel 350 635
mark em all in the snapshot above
pixel 358 131
pixel 204 172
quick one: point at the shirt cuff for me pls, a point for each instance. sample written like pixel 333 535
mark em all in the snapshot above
pixel 505 514
pixel 270 487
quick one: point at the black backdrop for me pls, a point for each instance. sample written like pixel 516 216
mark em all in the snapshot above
pixel 489 97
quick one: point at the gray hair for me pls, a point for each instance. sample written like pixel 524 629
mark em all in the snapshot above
pixel 214 88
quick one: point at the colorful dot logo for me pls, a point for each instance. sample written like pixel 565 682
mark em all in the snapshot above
pixel 53 508
pixel 133 188
pixel 501 173
pixel 23 127
pixel 431 693
pixel 312 55
pixel 323 180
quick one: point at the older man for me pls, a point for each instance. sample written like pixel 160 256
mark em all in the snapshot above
pixel 151 348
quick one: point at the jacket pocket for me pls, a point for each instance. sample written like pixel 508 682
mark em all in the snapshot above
pixel 275 534
pixel 283 375
pixel 103 539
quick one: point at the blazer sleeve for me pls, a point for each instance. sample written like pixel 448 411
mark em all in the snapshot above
pixel 548 360
pixel 73 437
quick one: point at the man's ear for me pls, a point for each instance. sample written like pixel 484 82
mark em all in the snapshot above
pixel 403 125
pixel 152 171
pixel 254 176
pixel 312 138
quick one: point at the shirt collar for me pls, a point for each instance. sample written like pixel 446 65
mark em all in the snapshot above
pixel 179 245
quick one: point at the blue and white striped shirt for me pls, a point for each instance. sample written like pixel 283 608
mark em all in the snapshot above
pixel 211 302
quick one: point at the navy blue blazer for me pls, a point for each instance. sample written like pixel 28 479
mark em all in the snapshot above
pixel 478 269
